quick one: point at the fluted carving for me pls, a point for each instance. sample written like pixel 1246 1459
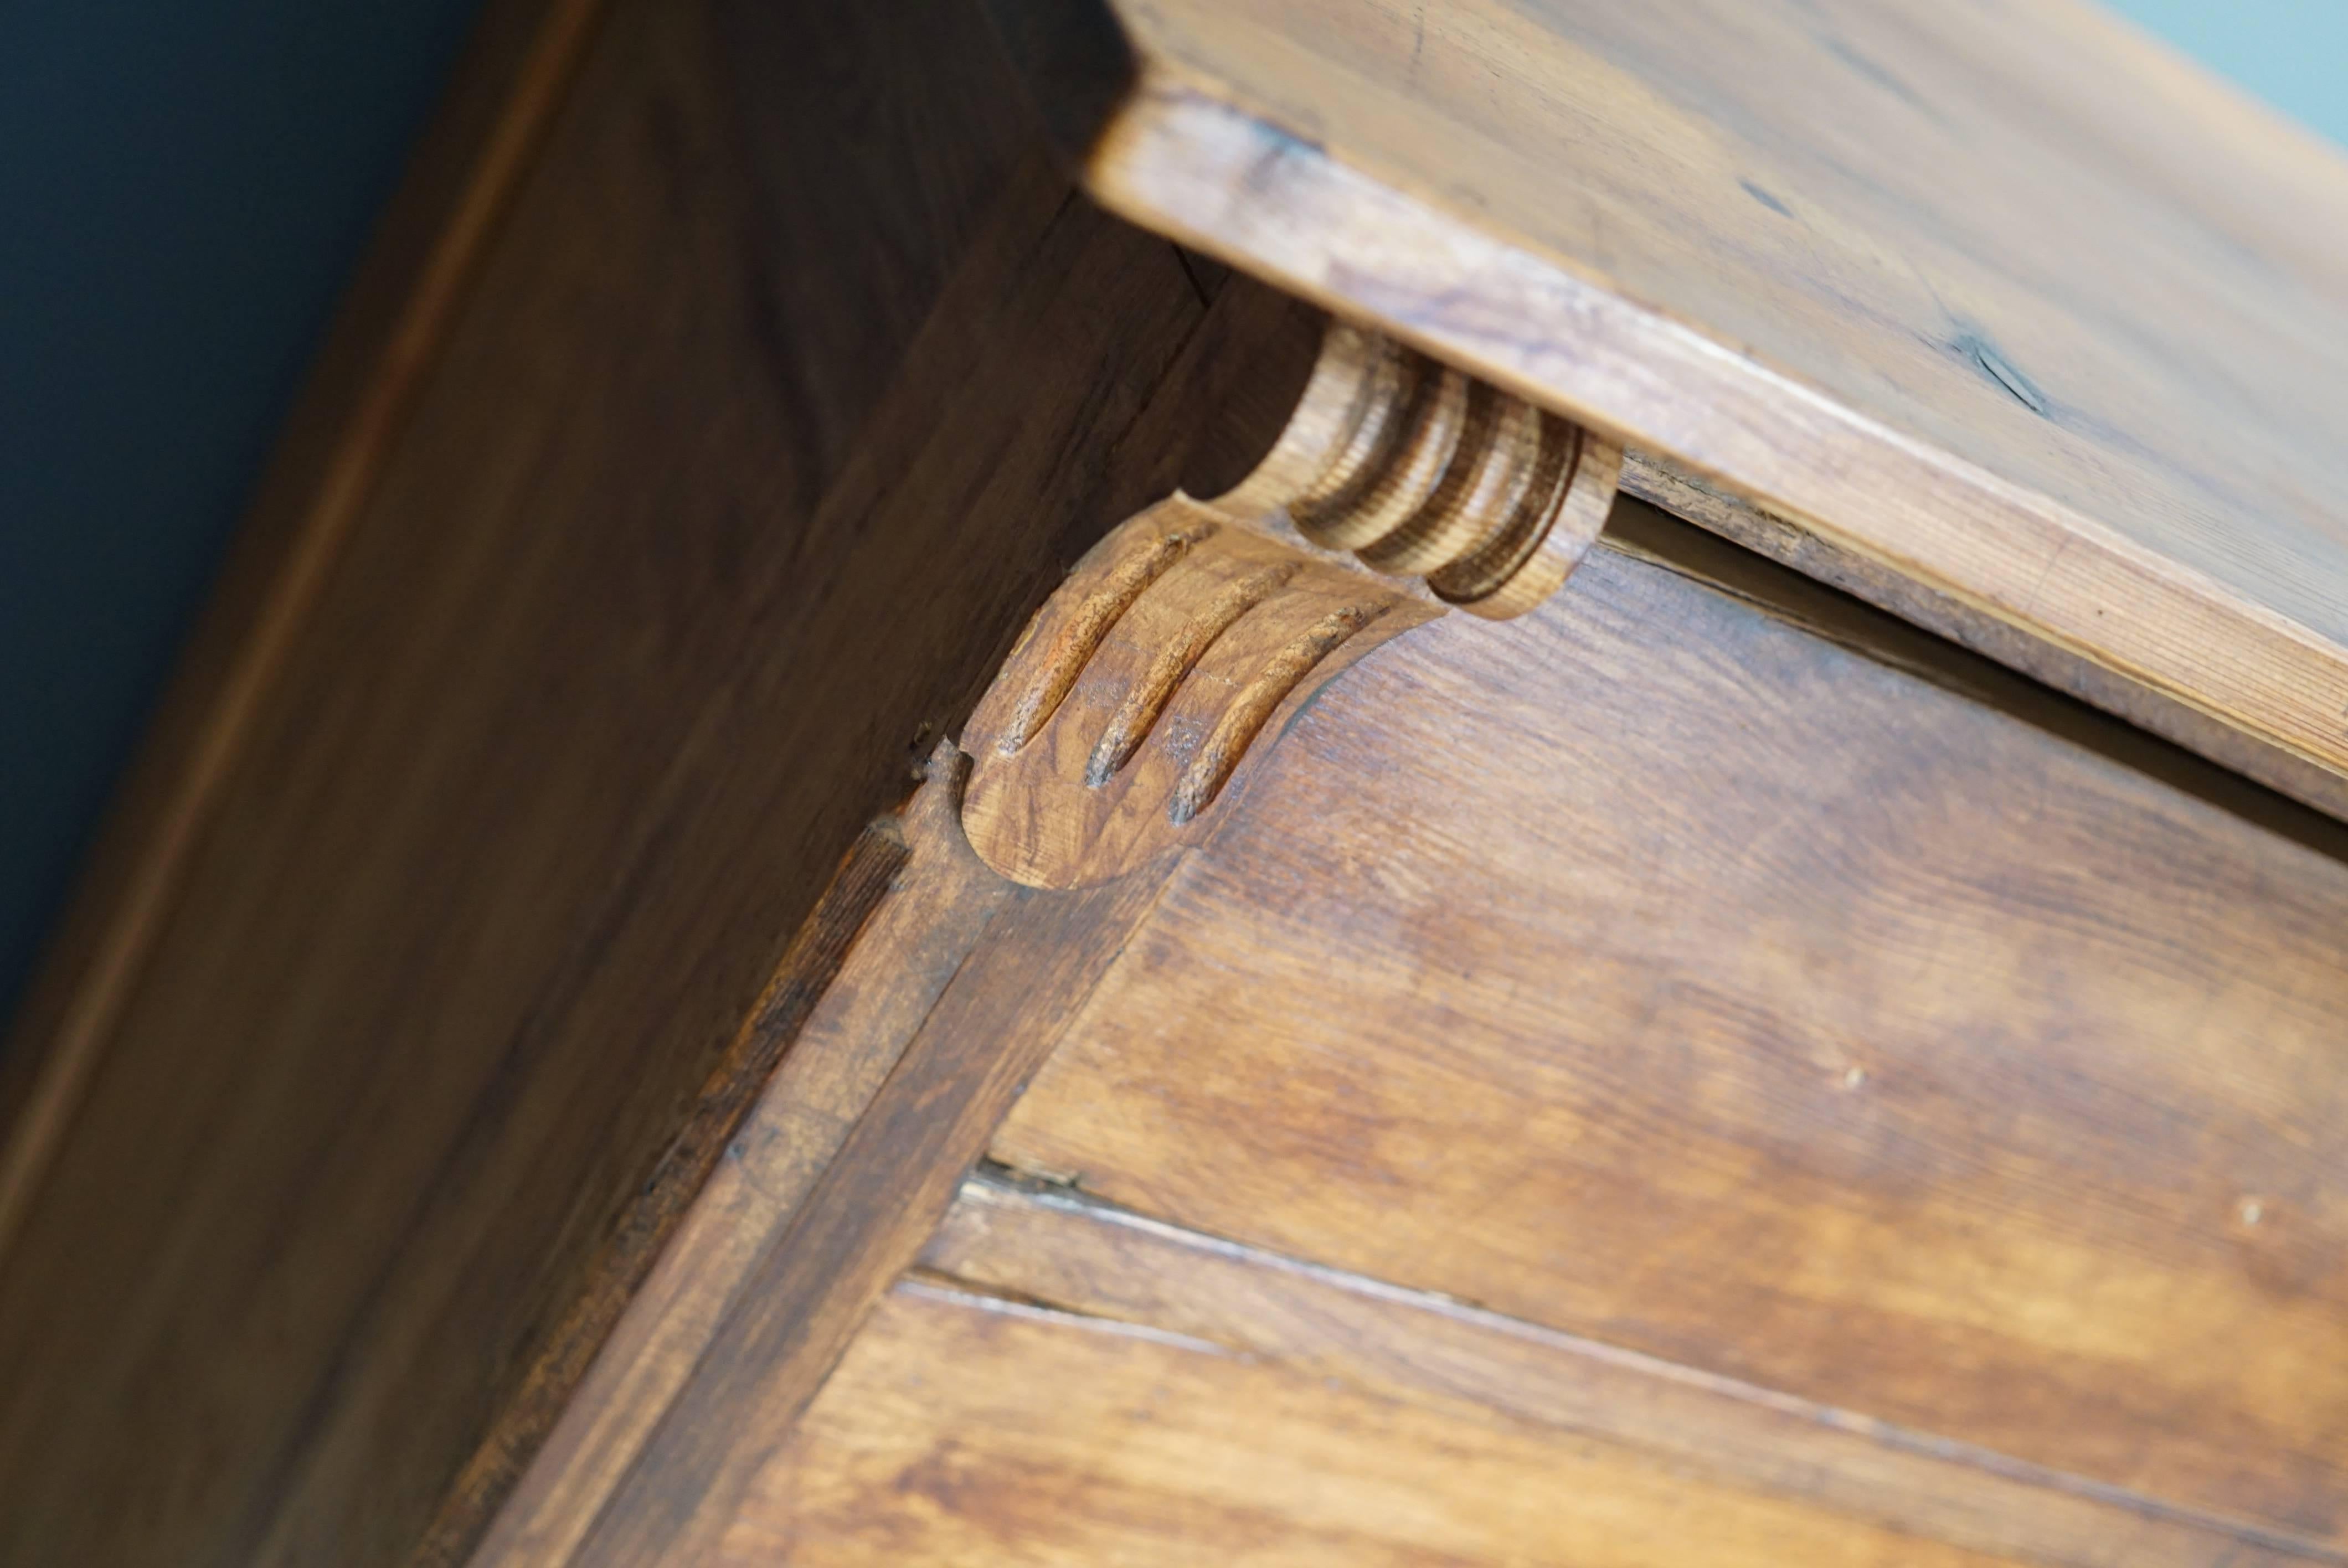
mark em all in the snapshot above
pixel 1140 692
pixel 1419 470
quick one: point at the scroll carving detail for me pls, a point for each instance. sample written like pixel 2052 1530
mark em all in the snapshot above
pixel 1140 692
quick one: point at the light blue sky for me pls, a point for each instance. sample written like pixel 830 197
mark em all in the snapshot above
pixel 2291 53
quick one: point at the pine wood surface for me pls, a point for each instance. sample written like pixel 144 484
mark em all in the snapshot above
pixel 2007 301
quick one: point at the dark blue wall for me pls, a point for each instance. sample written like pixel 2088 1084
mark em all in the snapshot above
pixel 184 185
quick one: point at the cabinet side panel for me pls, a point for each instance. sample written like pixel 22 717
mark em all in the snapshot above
pixel 792 379
pixel 1833 1013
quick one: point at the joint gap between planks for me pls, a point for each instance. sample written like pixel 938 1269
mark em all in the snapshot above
pixel 996 1184
pixel 1659 536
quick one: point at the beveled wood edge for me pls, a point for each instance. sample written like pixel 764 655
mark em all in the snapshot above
pixel 1053 1248
pixel 809 965
pixel 814 1274
pixel 957 986
pixel 2167 645
pixel 893 947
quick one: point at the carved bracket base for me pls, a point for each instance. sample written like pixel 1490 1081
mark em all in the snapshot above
pixel 1137 696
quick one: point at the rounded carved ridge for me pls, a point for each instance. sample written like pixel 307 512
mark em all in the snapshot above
pixel 1167 665
pixel 1149 683
pixel 1420 471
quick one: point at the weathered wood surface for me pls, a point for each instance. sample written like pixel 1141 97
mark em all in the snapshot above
pixel 2007 301
pixel 1832 1012
pixel 1817 1110
pixel 1701 968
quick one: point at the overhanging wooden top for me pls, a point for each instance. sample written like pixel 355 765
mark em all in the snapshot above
pixel 2002 299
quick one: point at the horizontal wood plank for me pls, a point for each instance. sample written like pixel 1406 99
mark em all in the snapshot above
pixel 1062 1250
pixel 1772 989
pixel 966 1428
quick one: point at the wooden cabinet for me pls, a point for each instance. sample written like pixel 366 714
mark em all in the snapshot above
pixel 1083 784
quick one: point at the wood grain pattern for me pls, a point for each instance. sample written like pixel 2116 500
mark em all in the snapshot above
pixel 814 1277
pixel 966 1429
pixel 2008 301
pixel 1666 484
pixel 924 932
pixel 1753 990
pixel 790 379
pixel 1138 692
pixel 814 1084
pixel 1069 1253
pixel 1859 1023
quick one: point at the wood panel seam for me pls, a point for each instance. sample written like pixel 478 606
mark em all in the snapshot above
pixel 810 962
pixel 1002 1190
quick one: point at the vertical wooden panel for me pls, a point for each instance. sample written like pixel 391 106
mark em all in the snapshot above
pixel 792 379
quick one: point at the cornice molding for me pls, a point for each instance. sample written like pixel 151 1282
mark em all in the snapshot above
pixel 1399 490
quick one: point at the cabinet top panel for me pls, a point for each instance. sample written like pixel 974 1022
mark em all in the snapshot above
pixel 2006 299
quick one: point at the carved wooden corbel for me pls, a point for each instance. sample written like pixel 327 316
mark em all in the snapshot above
pixel 1400 489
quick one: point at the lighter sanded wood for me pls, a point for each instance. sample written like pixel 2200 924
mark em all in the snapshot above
pixel 2006 299
pixel 1062 1250
pixel 962 1430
